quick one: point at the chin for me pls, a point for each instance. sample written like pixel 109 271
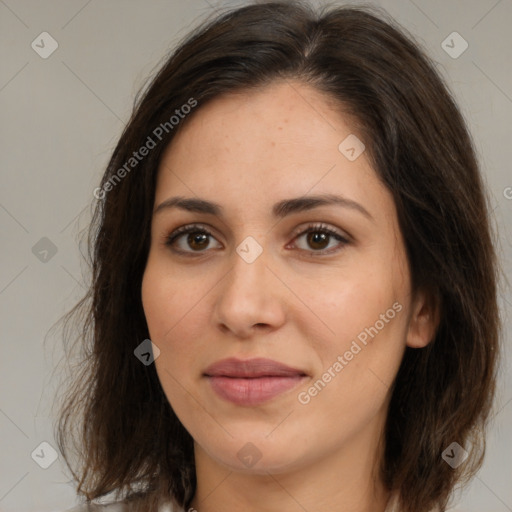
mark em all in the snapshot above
pixel 263 463
pixel 252 451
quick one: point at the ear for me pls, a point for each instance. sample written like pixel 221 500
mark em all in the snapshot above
pixel 424 320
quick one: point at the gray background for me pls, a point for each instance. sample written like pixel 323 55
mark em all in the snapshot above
pixel 61 117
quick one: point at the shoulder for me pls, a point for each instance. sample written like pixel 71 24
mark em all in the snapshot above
pixel 115 507
pixel 90 507
pixel 393 505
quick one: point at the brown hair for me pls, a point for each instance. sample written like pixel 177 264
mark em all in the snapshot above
pixel 129 441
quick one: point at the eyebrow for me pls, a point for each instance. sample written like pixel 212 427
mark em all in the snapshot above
pixel 279 210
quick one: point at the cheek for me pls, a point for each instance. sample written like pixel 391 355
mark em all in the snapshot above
pixel 167 299
pixel 346 306
pixel 361 351
pixel 165 303
pixel 155 301
pixel 175 315
pixel 357 368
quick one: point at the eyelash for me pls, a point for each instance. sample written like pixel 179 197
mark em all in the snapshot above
pixel 198 228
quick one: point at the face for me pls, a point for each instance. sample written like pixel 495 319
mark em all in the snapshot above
pixel 323 288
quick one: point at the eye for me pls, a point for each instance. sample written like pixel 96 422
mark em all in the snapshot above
pixel 319 236
pixel 197 239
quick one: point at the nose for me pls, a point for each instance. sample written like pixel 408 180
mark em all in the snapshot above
pixel 250 298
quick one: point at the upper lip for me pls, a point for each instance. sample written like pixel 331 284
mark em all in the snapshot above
pixel 257 367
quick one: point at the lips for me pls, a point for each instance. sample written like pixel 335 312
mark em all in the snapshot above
pixel 251 382
pixel 251 368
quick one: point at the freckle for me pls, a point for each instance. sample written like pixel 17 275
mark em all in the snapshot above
pixel 273 143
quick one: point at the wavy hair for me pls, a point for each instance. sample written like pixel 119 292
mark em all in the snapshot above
pixel 116 429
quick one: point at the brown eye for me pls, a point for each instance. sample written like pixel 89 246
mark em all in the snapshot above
pixel 197 239
pixel 318 238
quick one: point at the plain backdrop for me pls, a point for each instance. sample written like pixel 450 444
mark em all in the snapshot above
pixel 61 115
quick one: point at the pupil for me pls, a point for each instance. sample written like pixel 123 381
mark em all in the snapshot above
pixel 198 237
pixel 316 237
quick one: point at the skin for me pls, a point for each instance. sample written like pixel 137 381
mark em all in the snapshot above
pixel 250 151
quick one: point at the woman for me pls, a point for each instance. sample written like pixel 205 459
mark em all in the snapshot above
pixel 293 303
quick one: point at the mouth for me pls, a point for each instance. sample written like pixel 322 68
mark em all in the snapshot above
pixel 252 382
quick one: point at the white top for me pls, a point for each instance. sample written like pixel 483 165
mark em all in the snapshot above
pixel 120 507
pixel 115 507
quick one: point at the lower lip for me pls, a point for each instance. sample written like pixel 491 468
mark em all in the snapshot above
pixel 253 391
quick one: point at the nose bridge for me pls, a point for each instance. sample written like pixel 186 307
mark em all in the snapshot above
pixel 247 297
pixel 248 278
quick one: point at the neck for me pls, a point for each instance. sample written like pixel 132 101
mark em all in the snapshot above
pixel 345 480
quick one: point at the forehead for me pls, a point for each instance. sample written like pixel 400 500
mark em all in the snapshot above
pixel 278 141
